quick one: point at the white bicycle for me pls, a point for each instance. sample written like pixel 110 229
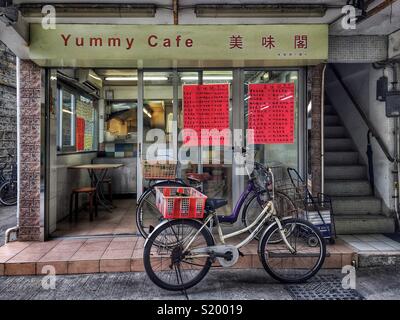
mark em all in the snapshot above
pixel 179 253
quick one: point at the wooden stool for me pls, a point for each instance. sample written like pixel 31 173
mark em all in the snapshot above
pixel 91 192
pixel 109 185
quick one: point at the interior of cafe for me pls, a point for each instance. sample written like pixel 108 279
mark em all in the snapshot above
pixel 100 129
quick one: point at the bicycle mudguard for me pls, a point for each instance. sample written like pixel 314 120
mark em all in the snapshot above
pixel 168 221
pixel 267 229
pixel 161 183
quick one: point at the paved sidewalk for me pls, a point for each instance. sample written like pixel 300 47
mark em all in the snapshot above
pixel 218 284
pixel 116 254
pixel 8 219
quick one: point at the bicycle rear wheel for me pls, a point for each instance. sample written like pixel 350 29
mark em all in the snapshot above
pixel 300 265
pixel 147 214
pixel 8 193
pixel 164 260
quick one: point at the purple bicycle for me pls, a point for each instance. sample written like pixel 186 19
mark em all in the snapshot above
pixel 251 201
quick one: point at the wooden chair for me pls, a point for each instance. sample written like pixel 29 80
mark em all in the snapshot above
pixel 91 192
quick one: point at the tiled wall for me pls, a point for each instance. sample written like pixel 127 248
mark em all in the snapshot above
pixel 29 103
pixel 120 150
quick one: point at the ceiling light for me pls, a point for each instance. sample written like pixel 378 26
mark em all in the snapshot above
pixel 147 113
pixel 146 78
pixel 87 10
pixel 260 11
pixel 194 78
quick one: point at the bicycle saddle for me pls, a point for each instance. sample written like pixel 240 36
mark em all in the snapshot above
pixel 213 204
pixel 198 177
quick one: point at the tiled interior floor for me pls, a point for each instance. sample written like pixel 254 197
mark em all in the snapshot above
pixel 371 243
pixel 121 220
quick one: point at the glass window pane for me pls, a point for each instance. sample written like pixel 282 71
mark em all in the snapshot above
pixel 68 118
pixel 275 155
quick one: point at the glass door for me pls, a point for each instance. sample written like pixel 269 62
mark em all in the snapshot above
pixel 272 110
pixel 161 113
pixel 156 116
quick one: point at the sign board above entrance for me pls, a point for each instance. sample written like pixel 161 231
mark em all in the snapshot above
pixel 183 45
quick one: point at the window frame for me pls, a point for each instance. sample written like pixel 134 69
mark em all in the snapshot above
pixel 65 149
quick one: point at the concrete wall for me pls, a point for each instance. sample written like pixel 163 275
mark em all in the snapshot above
pixel 8 105
pixel 361 81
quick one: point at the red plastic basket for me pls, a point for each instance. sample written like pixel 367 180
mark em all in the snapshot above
pixel 180 202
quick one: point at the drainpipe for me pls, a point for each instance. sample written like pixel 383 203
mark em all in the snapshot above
pixel 397 148
pixel 16 228
pixel 322 129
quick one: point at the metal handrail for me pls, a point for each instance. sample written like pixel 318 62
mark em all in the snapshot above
pixel 371 128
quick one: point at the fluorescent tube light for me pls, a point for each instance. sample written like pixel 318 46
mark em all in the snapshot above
pixel 147 113
pixel 260 11
pixel 67 111
pixel 193 78
pixel 90 10
pixel 147 78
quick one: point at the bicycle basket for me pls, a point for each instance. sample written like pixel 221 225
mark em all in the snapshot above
pixel 180 202
pixel 263 178
pixel 159 170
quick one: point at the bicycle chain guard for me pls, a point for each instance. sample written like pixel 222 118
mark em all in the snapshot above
pixel 227 255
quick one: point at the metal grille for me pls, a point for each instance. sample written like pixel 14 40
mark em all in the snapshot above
pixel 323 287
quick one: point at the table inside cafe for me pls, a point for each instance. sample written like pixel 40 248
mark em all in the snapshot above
pixel 97 173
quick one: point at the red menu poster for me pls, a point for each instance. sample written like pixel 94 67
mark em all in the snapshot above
pixel 206 108
pixel 80 134
pixel 271 113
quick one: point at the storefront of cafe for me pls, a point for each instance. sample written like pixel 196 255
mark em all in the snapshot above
pixel 107 93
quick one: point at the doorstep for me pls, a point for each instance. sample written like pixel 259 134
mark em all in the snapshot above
pixel 374 250
pixel 117 254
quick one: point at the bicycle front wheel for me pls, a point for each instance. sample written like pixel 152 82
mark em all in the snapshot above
pixel 8 193
pixel 299 265
pixel 284 207
pixel 165 261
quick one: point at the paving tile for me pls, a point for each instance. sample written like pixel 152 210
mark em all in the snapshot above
pixel 362 246
pixel 87 255
pixel 40 247
pixel 333 261
pixel 83 266
pixel 17 269
pixel 379 237
pixel 57 256
pixel 61 267
pixel 137 265
pixel 115 265
pixel 364 237
pixel 382 246
pixel 117 254
pixel 26 257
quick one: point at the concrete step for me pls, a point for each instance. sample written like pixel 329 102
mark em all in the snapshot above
pixel 335 132
pixel 356 205
pixel 329 110
pixel 347 188
pixel 345 172
pixel 331 120
pixel 363 224
pixel 341 158
pixel 338 144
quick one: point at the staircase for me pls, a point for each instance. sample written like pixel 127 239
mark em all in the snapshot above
pixel 355 208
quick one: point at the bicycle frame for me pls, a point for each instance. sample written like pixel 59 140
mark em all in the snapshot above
pixel 266 214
